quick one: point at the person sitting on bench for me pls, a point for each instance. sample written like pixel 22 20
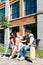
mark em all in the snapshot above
pixel 30 42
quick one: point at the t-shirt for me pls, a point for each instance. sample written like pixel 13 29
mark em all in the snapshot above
pixel 12 39
pixel 27 40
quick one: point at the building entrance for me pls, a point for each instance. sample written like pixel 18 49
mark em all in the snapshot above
pixel 15 29
pixel 2 36
pixel 33 28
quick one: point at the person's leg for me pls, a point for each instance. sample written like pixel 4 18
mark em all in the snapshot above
pixel 6 49
pixel 27 48
pixel 21 51
pixel 13 52
pixel 12 46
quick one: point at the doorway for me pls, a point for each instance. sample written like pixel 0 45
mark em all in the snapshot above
pixel 2 36
pixel 15 29
pixel 32 27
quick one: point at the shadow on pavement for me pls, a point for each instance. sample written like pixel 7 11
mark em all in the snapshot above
pixel 28 59
pixel 8 55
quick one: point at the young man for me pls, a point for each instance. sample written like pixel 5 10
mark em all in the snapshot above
pixel 30 42
pixel 11 44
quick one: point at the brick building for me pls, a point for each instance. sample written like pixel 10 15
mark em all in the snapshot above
pixel 25 14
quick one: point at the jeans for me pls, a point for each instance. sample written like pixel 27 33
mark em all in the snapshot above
pixel 24 50
pixel 7 47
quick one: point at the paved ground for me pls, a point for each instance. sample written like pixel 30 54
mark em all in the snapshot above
pixel 16 62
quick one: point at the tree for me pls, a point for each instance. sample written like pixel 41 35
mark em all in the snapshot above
pixel 4 23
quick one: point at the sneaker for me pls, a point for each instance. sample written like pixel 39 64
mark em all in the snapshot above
pixel 21 58
pixel 4 57
pixel 10 57
pixel 33 61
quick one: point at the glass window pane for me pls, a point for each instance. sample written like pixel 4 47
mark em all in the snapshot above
pixel 32 10
pixel 35 3
pixel 30 6
pixel 15 10
pixel 35 10
pixel 32 0
pixel 2 12
pixel 28 12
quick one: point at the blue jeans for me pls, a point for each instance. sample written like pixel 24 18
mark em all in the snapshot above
pixel 24 50
pixel 7 47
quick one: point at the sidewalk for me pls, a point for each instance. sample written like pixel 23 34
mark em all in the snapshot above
pixel 6 61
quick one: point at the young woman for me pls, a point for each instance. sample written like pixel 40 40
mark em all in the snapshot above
pixel 11 44
pixel 18 45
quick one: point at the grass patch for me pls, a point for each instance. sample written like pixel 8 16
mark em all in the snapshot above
pixel 2 50
pixel 39 53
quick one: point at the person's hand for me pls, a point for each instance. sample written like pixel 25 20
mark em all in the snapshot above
pixel 29 45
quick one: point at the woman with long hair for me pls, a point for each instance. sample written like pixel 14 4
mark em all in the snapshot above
pixel 18 45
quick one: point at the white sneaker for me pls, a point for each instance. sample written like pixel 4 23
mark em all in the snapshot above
pixel 10 57
pixel 4 57
pixel 33 61
pixel 21 58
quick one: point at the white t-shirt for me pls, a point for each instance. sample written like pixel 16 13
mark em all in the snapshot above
pixel 20 44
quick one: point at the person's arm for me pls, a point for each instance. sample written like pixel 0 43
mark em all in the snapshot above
pixel 23 41
pixel 31 40
pixel 10 43
pixel 17 41
pixel 12 40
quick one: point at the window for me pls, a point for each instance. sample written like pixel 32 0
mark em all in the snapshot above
pixel 2 1
pixel 2 12
pixel 15 10
pixel 2 36
pixel 30 6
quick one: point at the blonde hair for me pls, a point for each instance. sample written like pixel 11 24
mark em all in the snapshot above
pixel 18 34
